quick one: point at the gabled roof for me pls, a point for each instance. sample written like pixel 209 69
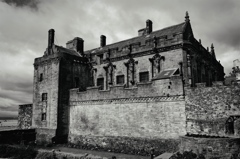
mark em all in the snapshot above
pixel 179 28
pixel 166 73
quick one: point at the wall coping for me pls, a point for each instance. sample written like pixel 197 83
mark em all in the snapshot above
pixel 129 100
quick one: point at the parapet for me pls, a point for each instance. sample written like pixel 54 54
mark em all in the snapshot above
pixel 156 88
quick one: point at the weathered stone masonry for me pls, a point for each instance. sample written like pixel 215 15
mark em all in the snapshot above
pixel 25 116
pixel 133 90
pixel 213 110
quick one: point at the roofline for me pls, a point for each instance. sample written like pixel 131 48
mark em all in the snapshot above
pixel 135 37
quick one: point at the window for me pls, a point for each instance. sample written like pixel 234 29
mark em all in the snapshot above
pixel 41 77
pixel 43 116
pixel 44 97
pixel 100 82
pixel 230 126
pixel 120 79
pixel 143 77
pixel 100 58
pixel 76 80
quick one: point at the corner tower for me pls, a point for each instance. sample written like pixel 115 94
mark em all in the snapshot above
pixel 57 71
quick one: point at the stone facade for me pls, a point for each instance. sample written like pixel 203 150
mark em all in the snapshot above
pixel 25 116
pixel 138 90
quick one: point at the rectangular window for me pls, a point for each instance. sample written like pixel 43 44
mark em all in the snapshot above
pixel 100 59
pixel 41 77
pixel 100 82
pixel 120 79
pixel 44 97
pixel 143 77
pixel 43 116
pixel 76 80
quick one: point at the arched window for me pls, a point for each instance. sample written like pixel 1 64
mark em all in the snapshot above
pixel 230 126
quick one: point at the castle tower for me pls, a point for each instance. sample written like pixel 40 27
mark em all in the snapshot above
pixel 55 73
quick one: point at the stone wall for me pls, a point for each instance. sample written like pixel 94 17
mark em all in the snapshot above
pixel 209 108
pixel 221 148
pixel 25 116
pixel 141 118
pixel 45 135
pixel 124 144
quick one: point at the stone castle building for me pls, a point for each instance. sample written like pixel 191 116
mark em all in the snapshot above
pixel 130 93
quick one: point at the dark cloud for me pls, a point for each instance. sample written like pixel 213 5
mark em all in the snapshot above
pixel 25 24
pixel 9 109
pixel 23 3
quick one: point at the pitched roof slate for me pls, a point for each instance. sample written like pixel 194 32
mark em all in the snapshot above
pixel 179 28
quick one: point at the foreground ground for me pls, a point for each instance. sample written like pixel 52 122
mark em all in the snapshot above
pixel 98 153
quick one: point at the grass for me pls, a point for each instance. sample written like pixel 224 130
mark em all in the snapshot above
pixel 21 152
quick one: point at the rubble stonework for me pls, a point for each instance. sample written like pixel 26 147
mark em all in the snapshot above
pixel 25 116
pixel 212 110
pixel 222 148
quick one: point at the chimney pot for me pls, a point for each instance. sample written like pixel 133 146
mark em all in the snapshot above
pixel 102 40
pixel 50 38
pixel 149 26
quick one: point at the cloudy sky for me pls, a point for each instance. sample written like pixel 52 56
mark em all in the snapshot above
pixel 24 26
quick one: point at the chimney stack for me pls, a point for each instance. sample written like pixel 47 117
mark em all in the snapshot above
pixel 149 26
pixel 50 38
pixel 76 44
pixel 102 40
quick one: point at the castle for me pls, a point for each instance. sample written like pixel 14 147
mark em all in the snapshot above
pixel 133 92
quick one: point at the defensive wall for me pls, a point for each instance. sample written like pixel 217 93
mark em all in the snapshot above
pixel 150 115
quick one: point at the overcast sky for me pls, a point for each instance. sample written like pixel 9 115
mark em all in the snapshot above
pixel 24 26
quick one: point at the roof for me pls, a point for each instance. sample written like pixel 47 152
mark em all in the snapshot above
pixel 166 73
pixel 179 28
pixel 68 51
